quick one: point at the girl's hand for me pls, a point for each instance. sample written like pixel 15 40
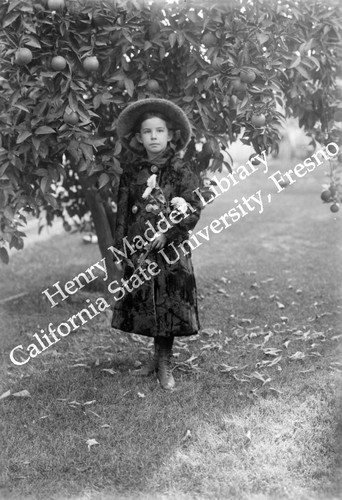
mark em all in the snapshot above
pixel 118 266
pixel 158 242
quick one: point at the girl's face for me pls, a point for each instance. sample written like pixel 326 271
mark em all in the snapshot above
pixel 154 136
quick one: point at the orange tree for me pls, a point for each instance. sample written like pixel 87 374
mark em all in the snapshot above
pixel 68 67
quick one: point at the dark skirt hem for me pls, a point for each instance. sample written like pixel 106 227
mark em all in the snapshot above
pixel 161 334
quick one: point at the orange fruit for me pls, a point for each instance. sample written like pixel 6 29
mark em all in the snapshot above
pixel 326 195
pixel 239 86
pixel 207 149
pixel 209 40
pixel 258 120
pixel 70 117
pixel 247 75
pixel 335 207
pixel 58 63
pixel 91 63
pixel 152 86
pixel 23 56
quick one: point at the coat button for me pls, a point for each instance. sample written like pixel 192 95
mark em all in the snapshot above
pixel 134 209
pixel 149 207
pixel 154 169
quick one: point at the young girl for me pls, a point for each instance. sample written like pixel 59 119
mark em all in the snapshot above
pixel 156 193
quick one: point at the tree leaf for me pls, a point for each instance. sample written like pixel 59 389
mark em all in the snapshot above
pixel 23 136
pixel 45 130
pixel 4 255
pixel 10 18
pixel 296 62
pixel 129 85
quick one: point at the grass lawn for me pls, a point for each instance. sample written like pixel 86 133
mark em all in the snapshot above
pixel 257 410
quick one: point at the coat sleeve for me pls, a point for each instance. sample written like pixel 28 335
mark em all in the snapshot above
pixel 186 185
pixel 121 225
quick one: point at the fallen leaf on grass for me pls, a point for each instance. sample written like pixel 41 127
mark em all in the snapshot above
pixel 280 305
pixel 91 442
pixel 297 355
pixel 191 359
pixel 141 395
pixel 22 394
pixel 248 439
pixel 209 331
pixel 109 370
pixel 5 395
pixel 240 379
pixel 286 343
pixel 245 320
pixel 335 365
pixel 263 364
pixel 260 377
pixel 267 337
pixel 275 390
pixel 90 402
pixel 227 368
pixel 105 426
pixel 96 415
pixel 187 436
pixel 271 351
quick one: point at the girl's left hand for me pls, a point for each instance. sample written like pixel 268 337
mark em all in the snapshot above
pixel 158 242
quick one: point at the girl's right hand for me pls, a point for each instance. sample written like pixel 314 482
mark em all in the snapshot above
pixel 118 266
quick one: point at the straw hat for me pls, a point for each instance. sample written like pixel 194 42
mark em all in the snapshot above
pixel 129 117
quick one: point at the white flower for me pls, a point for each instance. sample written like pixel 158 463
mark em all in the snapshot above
pixel 151 184
pixel 179 204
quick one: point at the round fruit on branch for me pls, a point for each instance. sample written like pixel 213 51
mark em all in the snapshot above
pixel 258 120
pixel 70 117
pixel 23 56
pixel 91 64
pixel 58 63
pixel 326 195
pixel 247 75
pixel 152 86
pixel 239 86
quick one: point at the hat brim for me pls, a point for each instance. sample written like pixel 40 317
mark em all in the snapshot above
pixel 130 115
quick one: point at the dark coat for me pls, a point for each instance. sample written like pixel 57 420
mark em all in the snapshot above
pixel 166 305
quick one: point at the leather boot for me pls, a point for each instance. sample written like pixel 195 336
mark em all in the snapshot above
pixel 151 365
pixel 165 376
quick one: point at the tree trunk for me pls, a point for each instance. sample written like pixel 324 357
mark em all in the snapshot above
pixel 103 221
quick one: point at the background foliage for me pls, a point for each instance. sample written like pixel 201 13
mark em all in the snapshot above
pixel 227 64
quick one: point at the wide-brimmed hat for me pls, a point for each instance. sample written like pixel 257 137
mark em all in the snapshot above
pixel 129 117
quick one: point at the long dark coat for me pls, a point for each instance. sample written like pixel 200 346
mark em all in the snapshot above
pixel 166 305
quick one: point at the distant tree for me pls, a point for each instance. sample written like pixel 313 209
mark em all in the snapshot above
pixel 69 67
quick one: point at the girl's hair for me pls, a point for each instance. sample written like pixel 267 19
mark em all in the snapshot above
pixel 152 114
